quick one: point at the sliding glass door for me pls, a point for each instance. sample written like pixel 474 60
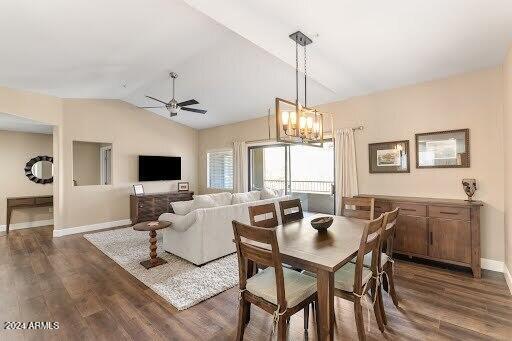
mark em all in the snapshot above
pixel 304 171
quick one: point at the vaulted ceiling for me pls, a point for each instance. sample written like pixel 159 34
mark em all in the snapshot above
pixel 235 56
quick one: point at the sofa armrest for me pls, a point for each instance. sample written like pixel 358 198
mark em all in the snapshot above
pixel 180 223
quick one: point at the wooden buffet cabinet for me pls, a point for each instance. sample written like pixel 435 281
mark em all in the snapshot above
pixel 148 207
pixel 445 230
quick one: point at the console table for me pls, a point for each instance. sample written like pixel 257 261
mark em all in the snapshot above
pixel 24 202
pixel 445 230
pixel 148 207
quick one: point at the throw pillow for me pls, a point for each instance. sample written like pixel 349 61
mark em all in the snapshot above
pixel 267 193
pixel 220 199
pixel 182 207
pixel 203 201
pixel 239 198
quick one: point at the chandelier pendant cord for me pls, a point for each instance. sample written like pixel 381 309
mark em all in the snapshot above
pixel 305 78
pixel 297 73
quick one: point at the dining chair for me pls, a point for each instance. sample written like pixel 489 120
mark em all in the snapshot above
pixel 279 291
pixel 359 207
pixel 353 281
pixel 263 215
pixel 386 256
pixel 291 210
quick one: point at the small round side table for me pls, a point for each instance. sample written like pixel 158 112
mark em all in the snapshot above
pixel 152 227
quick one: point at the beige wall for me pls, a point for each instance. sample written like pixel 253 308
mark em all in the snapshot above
pixel 472 100
pixel 507 127
pixel 132 132
pixel 16 149
pixel 86 163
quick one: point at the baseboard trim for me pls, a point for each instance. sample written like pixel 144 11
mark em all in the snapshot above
pixel 508 278
pixel 26 225
pixel 491 264
pixel 89 228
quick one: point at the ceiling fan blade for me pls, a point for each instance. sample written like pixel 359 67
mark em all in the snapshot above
pixel 189 102
pixel 162 106
pixel 156 99
pixel 194 110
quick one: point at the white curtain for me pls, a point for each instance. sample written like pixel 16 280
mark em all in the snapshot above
pixel 240 167
pixel 346 170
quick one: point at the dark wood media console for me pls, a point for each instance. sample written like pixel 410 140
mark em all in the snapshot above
pixel 445 230
pixel 148 207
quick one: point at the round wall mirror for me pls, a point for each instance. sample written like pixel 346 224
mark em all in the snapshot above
pixel 40 169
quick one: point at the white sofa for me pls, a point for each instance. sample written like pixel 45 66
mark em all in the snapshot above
pixel 206 234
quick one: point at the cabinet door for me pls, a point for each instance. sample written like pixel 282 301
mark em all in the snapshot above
pixel 411 235
pixel 450 239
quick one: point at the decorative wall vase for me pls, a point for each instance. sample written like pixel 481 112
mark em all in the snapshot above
pixel 469 186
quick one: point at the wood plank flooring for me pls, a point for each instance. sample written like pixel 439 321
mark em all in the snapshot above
pixel 70 281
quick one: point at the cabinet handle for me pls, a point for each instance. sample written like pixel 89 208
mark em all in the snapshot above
pixel 408 209
pixel 431 237
pixel 452 213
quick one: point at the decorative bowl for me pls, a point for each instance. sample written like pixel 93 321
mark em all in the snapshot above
pixel 321 223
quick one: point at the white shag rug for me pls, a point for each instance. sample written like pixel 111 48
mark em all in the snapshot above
pixel 180 282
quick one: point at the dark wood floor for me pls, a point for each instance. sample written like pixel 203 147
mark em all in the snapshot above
pixel 68 280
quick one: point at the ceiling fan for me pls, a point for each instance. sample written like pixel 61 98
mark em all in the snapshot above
pixel 173 105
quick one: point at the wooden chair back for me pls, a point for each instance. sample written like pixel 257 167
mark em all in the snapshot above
pixel 247 252
pixel 388 230
pixel 286 215
pixel 266 211
pixel 364 207
pixel 370 242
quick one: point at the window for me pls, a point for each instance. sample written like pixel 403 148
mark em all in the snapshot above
pixel 220 169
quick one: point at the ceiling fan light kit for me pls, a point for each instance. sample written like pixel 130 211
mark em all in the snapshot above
pixel 173 106
pixel 296 123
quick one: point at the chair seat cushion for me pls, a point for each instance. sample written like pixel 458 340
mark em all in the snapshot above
pixel 344 277
pixel 297 287
pixel 368 259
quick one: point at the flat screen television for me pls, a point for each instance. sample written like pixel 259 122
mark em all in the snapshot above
pixel 157 168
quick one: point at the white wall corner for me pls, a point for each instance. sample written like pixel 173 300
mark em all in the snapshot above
pixel 89 228
pixel 508 277
pixel 26 225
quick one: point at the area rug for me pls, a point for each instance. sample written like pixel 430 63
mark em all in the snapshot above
pixel 179 282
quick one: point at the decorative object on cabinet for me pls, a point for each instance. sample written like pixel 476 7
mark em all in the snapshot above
pixel 149 207
pixel 40 170
pixel 445 230
pixel 138 189
pixel 183 186
pixel 389 157
pixel 469 186
pixel 443 149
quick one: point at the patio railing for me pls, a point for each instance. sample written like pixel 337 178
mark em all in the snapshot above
pixel 323 187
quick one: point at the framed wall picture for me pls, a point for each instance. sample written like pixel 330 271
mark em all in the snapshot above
pixel 389 157
pixel 183 187
pixel 138 189
pixel 443 149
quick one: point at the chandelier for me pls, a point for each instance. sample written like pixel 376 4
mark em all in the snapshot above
pixel 296 123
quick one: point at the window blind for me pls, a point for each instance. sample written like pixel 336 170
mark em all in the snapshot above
pixel 220 169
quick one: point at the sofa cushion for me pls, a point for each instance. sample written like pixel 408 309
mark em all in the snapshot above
pixel 240 198
pixel 267 193
pixel 182 207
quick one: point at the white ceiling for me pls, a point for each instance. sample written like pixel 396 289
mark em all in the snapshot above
pixel 15 123
pixel 235 56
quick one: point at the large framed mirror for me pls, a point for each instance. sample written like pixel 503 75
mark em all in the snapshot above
pixel 443 149
pixel 40 170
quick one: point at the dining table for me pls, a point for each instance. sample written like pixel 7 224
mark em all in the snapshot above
pixel 322 253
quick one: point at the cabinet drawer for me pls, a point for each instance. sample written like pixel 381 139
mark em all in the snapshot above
pixel 44 200
pixel 448 212
pixel 381 207
pixel 411 209
pixel 21 202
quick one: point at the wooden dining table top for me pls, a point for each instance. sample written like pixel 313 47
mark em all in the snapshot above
pixel 302 246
